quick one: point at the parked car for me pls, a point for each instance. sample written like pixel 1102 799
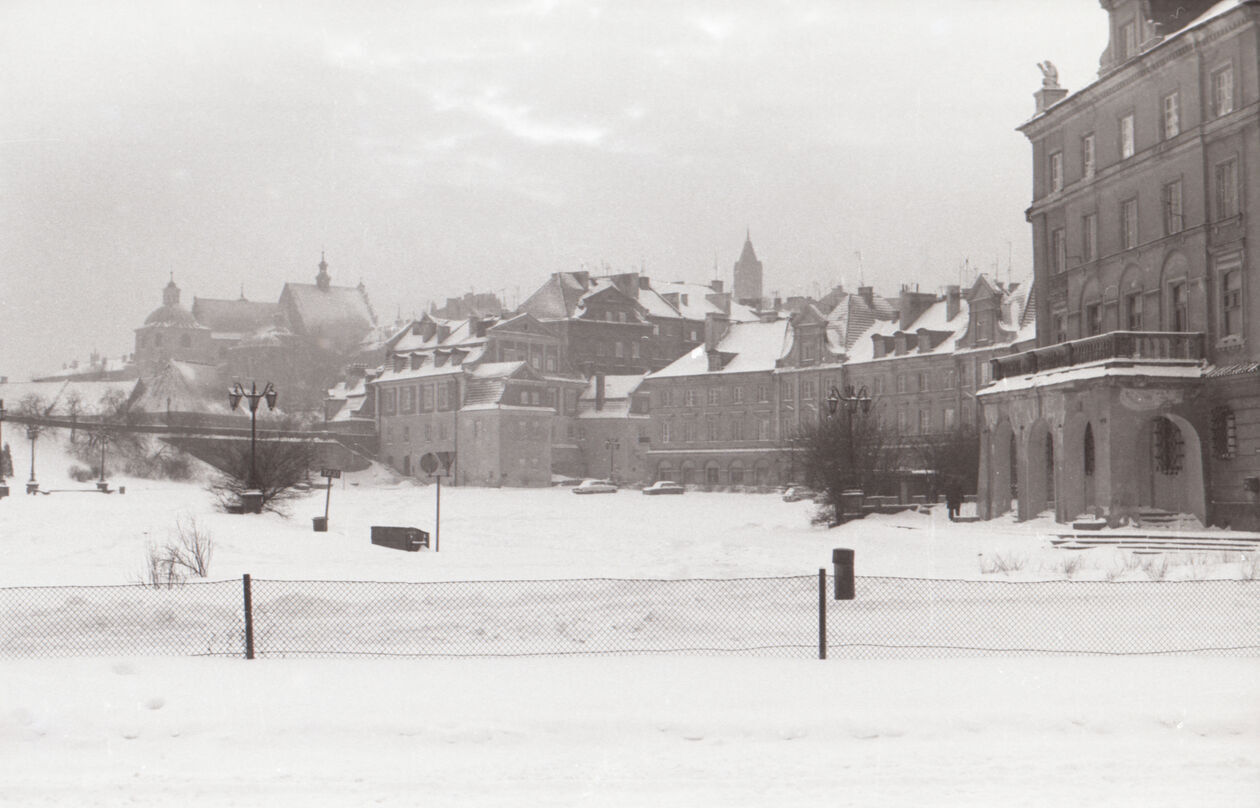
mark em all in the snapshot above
pixel 595 487
pixel 795 493
pixel 664 487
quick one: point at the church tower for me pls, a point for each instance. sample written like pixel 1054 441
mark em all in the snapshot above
pixel 323 280
pixel 748 275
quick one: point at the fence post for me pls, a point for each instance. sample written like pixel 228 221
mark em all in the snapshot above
pixel 822 612
pixel 843 561
pixel 249 618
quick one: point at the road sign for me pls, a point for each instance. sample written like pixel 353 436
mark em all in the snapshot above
pixel 429 463
pixel 447 459
pixel 330 473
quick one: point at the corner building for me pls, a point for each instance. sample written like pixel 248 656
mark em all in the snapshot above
pixel 1142 396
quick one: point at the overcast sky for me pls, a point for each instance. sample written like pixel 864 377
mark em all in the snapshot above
pixel 435 147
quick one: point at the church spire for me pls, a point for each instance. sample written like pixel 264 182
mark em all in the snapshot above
pixel 323 280
pixel 170 295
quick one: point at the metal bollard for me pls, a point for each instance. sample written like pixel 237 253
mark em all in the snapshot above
pixel 843 560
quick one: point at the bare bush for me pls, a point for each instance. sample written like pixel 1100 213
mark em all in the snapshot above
pixel 187 553
pixel 1000 562
pixel 1249 567
pixel 1070 565
pixel 277 468
pixel 1156 570
pixel 81 474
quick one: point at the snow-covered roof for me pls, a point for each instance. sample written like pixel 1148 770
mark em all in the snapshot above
pixel 751 347
pixel 615 386
pixel 1099 370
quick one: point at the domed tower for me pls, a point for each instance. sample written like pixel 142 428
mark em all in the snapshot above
pixel 748 275
pixel 171 332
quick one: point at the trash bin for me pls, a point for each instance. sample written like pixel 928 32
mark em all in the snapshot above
pixel 320 523
pixel 4 490
pixel 409 539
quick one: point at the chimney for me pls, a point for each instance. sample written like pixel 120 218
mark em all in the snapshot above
pixel 721 300
pixel 912 304
pixel 645 282
pixel 953 295
pixel 867 293
pixel 627 283
pixel 443 331
pixel 715 326
pixel 583 277
pixel 425 329
pixel 716 285
pixel 599 392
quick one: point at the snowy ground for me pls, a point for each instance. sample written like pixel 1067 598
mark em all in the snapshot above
pixel 684 731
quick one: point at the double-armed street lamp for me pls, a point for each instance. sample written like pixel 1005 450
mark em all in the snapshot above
pixel 852 403
pixel 253 396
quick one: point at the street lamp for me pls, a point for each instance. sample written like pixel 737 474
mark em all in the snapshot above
pixel 32 432
pixel 852 403
pixel 100 438
pixel 4 489
pixel 612 444
pixel 253 395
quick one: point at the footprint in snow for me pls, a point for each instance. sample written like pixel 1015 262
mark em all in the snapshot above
pixel 155 703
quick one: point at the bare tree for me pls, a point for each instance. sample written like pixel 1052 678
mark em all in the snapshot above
pixel 278 466
pixel 953 456
pixel 845 452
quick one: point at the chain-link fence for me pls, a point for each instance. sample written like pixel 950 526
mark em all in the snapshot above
pixel 787 616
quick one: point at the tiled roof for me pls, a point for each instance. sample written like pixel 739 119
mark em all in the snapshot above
pixel 235 316
pixel 339 316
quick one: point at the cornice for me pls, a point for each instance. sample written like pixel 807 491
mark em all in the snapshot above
pixel 1139 69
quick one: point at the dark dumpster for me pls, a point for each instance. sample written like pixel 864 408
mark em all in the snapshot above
pixel 410 539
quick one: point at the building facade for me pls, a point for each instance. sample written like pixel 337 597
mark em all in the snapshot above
pixel 1143 393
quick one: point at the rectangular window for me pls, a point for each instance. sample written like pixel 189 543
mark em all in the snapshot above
pixel 901 382
pixel 763 392
pixel 809 351
pixel 948 377
pixel 923 381
pixel 787 390
pixel 689 397
pixel 949 418
pixel 714 396
pixel 1227 189
pixel 1056 172
pixel 1133 311
pixel 619 349
pixel 737 395
pixel 1088 156
pixel 763 428
pixel 737 429
pixel 902 421
pixel 634 350
pixel 925 421
pixel 1128 143
pixel 1128 224
pixel 1172 208
pixel 711 428
pixel 428 432
pixel 1093 319
pixel 1058 250
pixel 1231 303
pixel 667 430
pixel 807 390
pixel 1177 306
pixel 1223 91
pixel 1172 116
pixel 877 385
pixel 1089 237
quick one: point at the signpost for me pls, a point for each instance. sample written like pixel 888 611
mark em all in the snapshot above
pixel 321 524
pixel 429 465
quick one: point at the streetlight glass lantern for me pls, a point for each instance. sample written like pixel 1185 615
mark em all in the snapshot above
pixel 270 395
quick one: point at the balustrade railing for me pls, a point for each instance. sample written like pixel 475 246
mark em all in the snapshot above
pixel 1134 345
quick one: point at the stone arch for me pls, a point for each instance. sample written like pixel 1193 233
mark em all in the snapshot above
pixel 1037 482
pixel 1168 466
pixel 761 472
pixel 689 473
pixel 735 473
pixel 712 473
pixel 665 471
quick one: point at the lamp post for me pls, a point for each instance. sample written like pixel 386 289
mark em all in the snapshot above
pixel 253 396
pixel 4 489
pixel 612 444
pixel 100 438
pixel 32 432
pixel 852 403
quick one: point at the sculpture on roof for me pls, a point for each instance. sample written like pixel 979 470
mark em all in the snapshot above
pixel 1049 75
